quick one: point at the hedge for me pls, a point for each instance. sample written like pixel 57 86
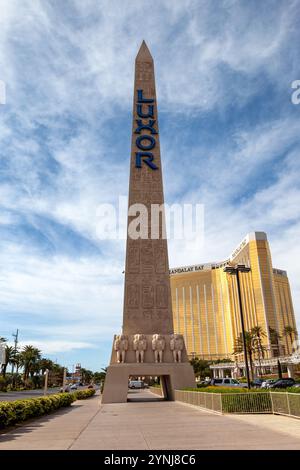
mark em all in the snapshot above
pixel 20 410
pixel 83 394
pixel 217 389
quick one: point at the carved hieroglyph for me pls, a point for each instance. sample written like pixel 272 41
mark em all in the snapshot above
pixel 158 346
pixel 121 346
pixel 177 345
pixel 147 303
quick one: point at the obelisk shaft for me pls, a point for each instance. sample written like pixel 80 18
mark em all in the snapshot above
pixel 147 296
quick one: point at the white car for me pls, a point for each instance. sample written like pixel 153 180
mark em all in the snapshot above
pixel 228 382
pixel 267 383
pixel 136 384
pixel 73 387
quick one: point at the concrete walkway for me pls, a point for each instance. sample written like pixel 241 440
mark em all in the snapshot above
pixel 151 425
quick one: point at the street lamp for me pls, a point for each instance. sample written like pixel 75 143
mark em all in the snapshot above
pixel 235 270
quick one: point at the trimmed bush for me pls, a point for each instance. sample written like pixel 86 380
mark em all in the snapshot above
pixel 20 410
pixel 217 389
pixel 83 394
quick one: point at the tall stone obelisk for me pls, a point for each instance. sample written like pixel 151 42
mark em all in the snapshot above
pixel 147 296
pixel 147 346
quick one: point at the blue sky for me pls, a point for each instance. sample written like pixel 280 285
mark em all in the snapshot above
pixel 229 139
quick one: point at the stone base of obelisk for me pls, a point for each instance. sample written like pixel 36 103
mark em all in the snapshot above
pixel 173 375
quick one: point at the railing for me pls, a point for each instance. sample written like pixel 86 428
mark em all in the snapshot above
pixel 286 403
pixel 261 402
pixel 211 401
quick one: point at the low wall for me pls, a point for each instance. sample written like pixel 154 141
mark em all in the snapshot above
pixel 156 390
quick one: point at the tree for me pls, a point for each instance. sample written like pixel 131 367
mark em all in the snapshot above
pixel 258 334
pixel 86 375
pixel 250 348
pixel 201 367
pixel 291 333
pixel 275 338
pixel 44 364
pixel 29 358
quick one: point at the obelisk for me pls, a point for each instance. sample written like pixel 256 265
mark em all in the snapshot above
pixel 147 296
pixel 147 345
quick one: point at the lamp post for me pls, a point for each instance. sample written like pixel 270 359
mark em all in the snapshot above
pixel 235 270
pixel 46 382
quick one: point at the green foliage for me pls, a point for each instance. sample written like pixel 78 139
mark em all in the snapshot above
pixel 201 367
pixel 20 410
pixel 3 384
pixel 212 389
pixel 83 394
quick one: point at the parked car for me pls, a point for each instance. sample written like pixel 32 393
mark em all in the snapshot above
pixel 266 383
pixel 227 382
pixel 66 390
pixel 91 386
pixel 257 383
pixel 73 387
pixel 283 383
pixel 136 384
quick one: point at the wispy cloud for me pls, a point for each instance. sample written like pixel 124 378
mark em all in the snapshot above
pixel 229 137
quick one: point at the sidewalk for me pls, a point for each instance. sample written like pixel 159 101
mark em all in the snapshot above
pixel 151 425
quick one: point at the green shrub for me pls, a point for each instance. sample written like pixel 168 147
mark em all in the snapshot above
pixel 83 394
pixel 20 410
pixel 293 389
pixel 217 389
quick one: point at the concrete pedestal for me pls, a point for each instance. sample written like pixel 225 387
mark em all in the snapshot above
pixel 173 375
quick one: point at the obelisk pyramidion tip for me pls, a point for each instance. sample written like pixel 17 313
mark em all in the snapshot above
pixel 144 53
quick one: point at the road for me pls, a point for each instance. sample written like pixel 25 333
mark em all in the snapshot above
pixel 12 396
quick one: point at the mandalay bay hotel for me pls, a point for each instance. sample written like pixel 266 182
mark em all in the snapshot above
pixel 206 306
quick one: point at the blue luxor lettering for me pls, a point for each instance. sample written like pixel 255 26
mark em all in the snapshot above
pixel 148 126
pixel 149 114
pixel 141 138
pixel 141 99
pixel 146 157
pixel 145 142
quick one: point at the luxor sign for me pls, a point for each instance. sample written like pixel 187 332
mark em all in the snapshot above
pixel 145 142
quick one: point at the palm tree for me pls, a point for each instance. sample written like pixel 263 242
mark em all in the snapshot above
pixel 43 364
pixel 250 347
pixel 290 332
pixel 29 358
pixel 258 334
pixel 275 338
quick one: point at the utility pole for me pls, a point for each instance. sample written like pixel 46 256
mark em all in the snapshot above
pixel 16 336
pixel 64 379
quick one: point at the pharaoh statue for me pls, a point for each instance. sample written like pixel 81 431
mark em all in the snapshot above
pixel 139 346
pixel 176 345
pixel 121 346
pixel 158 346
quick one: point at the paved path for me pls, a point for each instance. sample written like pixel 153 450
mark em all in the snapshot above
pixel 151 425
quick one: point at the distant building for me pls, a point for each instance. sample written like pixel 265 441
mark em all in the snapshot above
pixel 205 302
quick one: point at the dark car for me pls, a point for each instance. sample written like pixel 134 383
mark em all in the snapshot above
pixel 283 383
pixel 256 383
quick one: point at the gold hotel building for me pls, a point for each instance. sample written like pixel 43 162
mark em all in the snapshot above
pixel 205 302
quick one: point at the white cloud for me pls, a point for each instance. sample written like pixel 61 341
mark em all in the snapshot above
pixel 69 76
